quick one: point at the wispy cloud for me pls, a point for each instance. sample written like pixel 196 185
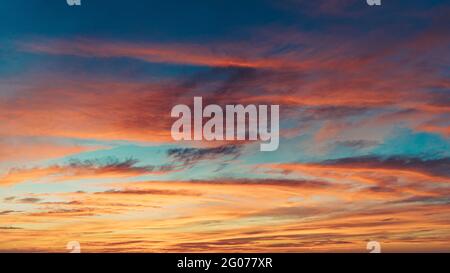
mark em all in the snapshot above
pixel 76 169
pixel 190 156
pixel 364 132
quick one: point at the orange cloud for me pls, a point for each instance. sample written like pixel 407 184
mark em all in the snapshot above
pixel 91 110
pixel 112 168
pixel 225 216
pixel 29 150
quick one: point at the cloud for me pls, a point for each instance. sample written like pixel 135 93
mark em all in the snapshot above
pixel 397 165
pixel 5 212
pixel 19 149
pixel 30 200
pixel 148 192
pixel 230 215
pixel 295 183
pixel 154 52
pixel 433 167
pixel 89 109
pixel 357 144
pixel 338 86
pixel 191 156
pixel 26 200
pixel 378 178
pixel 438 200
pixel 77 169
pixel 113 165
pixel 313 80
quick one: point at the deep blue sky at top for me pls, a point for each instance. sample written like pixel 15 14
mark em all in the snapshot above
pixel 199 20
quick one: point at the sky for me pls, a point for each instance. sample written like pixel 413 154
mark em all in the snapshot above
pixel 86 152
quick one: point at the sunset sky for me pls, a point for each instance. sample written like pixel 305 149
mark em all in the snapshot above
pixel 86 152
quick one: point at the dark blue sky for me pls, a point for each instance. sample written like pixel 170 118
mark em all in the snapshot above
pixel 199 20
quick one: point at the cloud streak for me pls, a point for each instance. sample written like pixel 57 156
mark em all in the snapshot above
pixel 76 169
